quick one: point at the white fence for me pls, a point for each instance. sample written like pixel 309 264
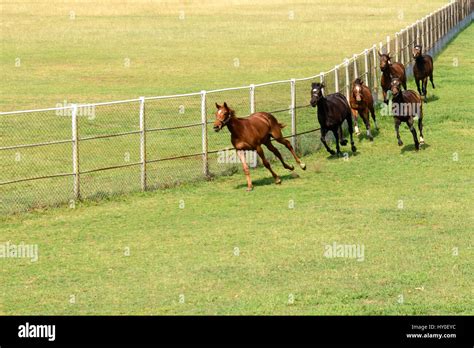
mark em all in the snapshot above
pixel 140 140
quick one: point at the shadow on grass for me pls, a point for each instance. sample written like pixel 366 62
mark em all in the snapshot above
pixel 266 181
pixel 431 98
pixel 363 134
pixel 411 148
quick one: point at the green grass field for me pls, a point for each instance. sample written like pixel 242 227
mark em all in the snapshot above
pixel 211 247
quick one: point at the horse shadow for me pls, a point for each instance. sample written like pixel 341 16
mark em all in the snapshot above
pixel 363 134
pixel 431 98
pixel 411 148
pixel 267 181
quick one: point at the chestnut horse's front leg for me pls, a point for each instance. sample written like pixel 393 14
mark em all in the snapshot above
pixel 356 121
pixel 241 155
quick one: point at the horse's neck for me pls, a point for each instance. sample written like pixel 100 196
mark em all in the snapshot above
pixel 420 60
pixel 322 106
pixel 387 72
pixel 399 98
pixel 234 125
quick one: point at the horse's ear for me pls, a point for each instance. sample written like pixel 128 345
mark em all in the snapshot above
pixel 225 105
pixel 389 56
pixel 218 106
pixel 380 54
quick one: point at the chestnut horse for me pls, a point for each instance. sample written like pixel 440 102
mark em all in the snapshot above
pixel 250 133
pixel 332 111
pixel 422 69
pixel 390 71
pixel 362 103
pixel 406 106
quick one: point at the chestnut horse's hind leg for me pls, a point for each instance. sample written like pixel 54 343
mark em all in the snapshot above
pixel 267 165
pixel 420 128
pixel 285 142
pixel 241 155
pixel 277 153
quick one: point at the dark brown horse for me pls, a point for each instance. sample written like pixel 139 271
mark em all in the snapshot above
pixel 332 111
pixel 250 133
pixel 389 71
pixel 422 69
pixel 406 106
pixel 362 103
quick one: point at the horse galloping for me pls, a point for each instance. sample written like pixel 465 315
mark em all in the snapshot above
pixel 362 103
pixel 389 71
pixel 249 133
pixel 406 105
pixel 422 69
pixel 332 111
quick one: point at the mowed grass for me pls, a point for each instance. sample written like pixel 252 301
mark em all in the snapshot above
pixel 212 248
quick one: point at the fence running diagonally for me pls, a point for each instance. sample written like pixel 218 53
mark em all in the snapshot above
pixel 58 155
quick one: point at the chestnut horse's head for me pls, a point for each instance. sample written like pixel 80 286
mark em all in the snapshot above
pixel 223 116
pixel 385 61
pixel 316 93
pixel 396 86
pixel 357 89
pixel 417 51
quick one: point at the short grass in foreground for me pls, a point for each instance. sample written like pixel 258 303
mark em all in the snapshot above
pixel 212 248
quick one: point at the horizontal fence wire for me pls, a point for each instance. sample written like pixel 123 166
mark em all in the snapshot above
pixel 57 155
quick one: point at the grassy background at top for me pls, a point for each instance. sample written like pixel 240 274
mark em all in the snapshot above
pixel 78 50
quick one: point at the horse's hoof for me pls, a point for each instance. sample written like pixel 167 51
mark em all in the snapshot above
pixel 354 149
pixel 303 166
pixel 371 138
pixel 278 181
pixel 332 152
pixel 422 141
pixel 400 143
pixel 249 189
pixel 290 168
pixel 344 142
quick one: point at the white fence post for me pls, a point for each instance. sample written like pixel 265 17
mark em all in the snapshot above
pixel 402 47
pixel 142 144
pixel 374 55
pixel 205 159
pixel 397 48
pixel 75 153
pixel 366 66
pixel 356 71
pixel 423 41
pixel 388 44
pixel 346 64
pixel 252 99
pixel 293 113
pixel 336 78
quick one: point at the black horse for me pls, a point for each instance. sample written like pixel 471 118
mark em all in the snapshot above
pixel 332 111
